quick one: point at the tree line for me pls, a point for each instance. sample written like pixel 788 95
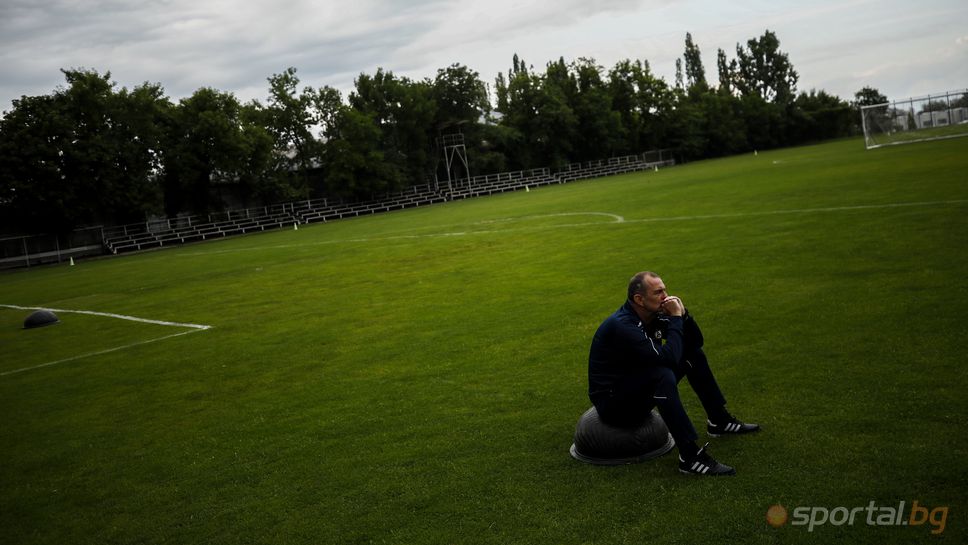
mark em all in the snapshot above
pixel 92 153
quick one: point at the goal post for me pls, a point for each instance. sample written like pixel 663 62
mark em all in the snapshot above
pixel 931 117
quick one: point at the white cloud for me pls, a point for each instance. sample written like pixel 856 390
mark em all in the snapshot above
pixel 234 45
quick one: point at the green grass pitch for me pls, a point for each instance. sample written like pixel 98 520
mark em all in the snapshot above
pixel 416 377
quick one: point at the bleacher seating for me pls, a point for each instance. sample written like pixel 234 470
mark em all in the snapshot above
pixel 144 236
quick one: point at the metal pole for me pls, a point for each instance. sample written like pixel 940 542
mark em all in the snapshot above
pixel 26 253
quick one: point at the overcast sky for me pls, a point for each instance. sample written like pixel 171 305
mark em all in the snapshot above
pixel 903 47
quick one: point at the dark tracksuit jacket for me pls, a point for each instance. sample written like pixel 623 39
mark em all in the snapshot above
pixel 633 367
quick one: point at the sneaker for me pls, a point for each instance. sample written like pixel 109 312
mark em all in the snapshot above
pixel 703 464
pixel 731 427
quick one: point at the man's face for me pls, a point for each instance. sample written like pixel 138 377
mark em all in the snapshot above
pixel 653 294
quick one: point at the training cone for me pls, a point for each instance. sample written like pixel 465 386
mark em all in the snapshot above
pixel 527 189
pixel 72 262
pixel 295 227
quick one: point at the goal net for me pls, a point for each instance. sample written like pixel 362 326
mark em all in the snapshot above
pixel 930 117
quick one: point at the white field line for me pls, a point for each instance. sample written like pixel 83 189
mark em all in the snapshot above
pixel 109 315
pixel 618 220
pixel 616 217
pixel 193 328
pixel 89 354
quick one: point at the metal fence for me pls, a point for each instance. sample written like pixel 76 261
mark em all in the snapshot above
pixel 931 117
pixel 30 250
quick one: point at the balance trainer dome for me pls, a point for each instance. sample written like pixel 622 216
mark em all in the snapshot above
pixel 599 443
pixel 40 318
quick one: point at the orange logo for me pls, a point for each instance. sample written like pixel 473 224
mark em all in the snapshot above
pixel 776 516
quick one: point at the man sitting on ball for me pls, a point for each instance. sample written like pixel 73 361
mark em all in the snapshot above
pixel 638 356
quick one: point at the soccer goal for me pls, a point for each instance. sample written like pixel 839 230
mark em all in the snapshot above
pixel 931 117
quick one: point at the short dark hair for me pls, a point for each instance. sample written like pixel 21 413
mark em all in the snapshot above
pixel 637 281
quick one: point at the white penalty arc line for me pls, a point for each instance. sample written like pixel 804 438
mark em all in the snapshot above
pixel 192 328
pixel 615 217
pixel 619 221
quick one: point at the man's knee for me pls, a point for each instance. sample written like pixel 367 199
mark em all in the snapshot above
pixel 694 360
pixel 666 385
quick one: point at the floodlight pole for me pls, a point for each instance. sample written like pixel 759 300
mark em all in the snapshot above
pixel 453 147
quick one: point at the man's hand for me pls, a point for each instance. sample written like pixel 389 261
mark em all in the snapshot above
pixel 672 306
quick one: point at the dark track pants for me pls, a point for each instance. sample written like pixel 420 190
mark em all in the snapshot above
pixel 659 387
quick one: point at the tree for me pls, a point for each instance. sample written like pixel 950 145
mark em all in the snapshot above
pixel 765 71
pixel 554 127
pixel 209 143
pixel 291 117
pixel 403 112
pixel 599 126
pixel 935 106
pixel 460 96
pixel 85 154
pixel 765 122
pixel 724 127
pixel 35 195
pixel 462 104
pixel 869 96
pixel 686 126
pixel 819 116
pixel 355 163
pixel 543 126
pixel 695 73
pixel 727 72
pixel 644 104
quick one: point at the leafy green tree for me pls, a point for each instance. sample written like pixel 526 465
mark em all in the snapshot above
pixel 460 96
pixel 291 117
pixel 209 144
pixel 520 117
pixel 869 96
pixel 355 162
pixel 403 112
pixel 685 129
pixel 727 72
pixel 765 71
pixel 35 195
pixel 818 116
pixel 463 105
pixel 85 154
pixel 765 122
pixel 644 104
pixel 501 93
pixel 599 126
pixel 260 177
pixel 695 73
pixel 935 106
pixel 724 127
pixel 554 128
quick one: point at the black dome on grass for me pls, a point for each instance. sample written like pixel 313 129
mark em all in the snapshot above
pixel 40 318
pixel 599 443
